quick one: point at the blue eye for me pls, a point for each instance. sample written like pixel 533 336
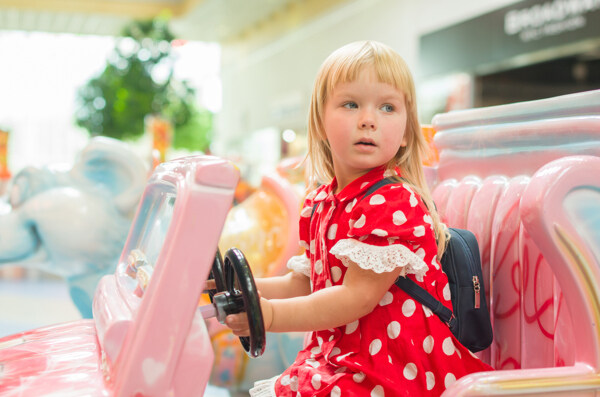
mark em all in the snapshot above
pixel 350 105
pixel 387 108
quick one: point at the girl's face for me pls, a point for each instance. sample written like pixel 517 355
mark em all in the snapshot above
pixel 365 122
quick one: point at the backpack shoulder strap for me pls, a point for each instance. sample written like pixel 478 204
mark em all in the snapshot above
pixel 385 181
pixel 421 295
pixel 409 286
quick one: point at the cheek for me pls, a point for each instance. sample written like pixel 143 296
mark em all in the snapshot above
pixel 403 126
pixel 397 135
pixel 335 129
pixel 335 140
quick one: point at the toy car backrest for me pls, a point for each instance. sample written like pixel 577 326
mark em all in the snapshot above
pixel 523 178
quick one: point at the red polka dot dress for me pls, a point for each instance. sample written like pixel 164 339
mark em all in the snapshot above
pixel 399 349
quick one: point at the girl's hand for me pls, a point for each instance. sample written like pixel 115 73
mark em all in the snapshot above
pixel 238 323
pixel 210 284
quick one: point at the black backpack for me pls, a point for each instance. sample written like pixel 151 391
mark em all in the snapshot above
pixel 470 322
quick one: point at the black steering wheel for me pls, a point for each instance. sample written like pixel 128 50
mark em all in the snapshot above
pixel 235 293
pixel 216 273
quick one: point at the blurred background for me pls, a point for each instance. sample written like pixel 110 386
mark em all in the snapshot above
pixel 251 65
pixel 234 77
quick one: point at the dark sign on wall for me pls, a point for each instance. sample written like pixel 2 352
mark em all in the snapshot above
pixel 525 32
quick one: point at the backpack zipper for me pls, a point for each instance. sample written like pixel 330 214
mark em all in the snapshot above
pixel 477 289
pixel 475 279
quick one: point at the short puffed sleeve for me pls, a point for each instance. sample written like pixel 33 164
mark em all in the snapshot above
pixel 391 228
pixel 301 263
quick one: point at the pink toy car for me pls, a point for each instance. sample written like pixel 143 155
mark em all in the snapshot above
pixel 148 335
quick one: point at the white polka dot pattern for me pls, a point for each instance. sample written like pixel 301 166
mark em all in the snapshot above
pixel 316 381
pixel 430 379
pixel 360 222
pixel 340 358
pixel 377 391
pixel 434 263
pixel 376 199
pixel 379 232
pixel 294 383
pixel 446 292
pixel 336 391
pixel 427 311
pixel 389 229
pixel 388 298
pixel 318 267
pixel 353 326
pixel 332 231
pixel 428 344
pixel 398 218
pixel 448 346
pixel 449 380
pixel 410 371
pixel 350 205
pixel 375 347
pixel 306 212
pixel 408 307
pixel 336 274
pixel 393 329
pixel 321 196
pixel 359 377
pixel 334 352
pixel 419 231
pixel 413 201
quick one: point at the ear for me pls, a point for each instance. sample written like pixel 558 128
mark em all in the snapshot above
pixel 404 141
pixel 115 167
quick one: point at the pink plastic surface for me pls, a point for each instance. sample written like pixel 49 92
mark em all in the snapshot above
pixel 457 208
pixel 558 209
pixel 506 278
pixel 538 291
pixel 146 338
pixel 535 215
pixel 479 221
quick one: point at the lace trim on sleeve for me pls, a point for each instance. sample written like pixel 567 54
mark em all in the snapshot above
pixel 264 388
pixel 379 259
pixel 299 264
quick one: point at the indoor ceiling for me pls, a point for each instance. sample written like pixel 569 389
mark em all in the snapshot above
pixel 204 20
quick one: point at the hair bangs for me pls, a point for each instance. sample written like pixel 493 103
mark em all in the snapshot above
pixel 345 70
pixel 347 63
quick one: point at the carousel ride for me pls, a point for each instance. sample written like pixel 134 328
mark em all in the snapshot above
pixel 522 177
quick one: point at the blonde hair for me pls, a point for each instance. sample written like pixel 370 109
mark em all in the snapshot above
pixel 344 65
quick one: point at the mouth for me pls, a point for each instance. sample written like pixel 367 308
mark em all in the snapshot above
pixel 365 142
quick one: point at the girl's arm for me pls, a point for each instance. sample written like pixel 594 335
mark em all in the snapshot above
pixel 330 307
pixel 280 287
pixel 290 285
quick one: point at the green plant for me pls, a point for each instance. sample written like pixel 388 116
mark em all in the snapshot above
pixel 137 81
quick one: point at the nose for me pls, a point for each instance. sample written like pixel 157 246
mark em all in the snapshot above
pixel 367 121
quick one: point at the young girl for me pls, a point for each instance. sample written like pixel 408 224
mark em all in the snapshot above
pixel 369 338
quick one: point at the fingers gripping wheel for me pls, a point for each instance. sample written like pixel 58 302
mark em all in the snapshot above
pixel 240 295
